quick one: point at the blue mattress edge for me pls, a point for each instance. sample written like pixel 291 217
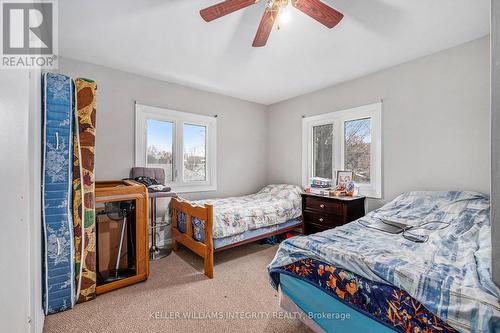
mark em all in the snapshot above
pixel 332 302
pixel 255 232
pixel 199 234
pixel 65 296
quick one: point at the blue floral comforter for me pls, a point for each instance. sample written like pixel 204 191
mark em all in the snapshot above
pixel 272 205
pixel 449 274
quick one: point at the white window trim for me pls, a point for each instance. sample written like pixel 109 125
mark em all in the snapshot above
pixel 337 118
pixel 145 112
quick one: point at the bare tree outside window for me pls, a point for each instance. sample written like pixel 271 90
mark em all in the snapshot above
pixel 323 151
pixel 159 146
pixel 357 149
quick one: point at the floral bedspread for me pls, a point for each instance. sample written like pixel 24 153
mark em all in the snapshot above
pixel 385 303
pixel 272 205
pixel 450 274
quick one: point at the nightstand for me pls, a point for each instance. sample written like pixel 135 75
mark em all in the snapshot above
pixel 320 213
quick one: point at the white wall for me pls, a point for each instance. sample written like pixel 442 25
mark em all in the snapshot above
pixel 495 139
pixel 20 238
pixel 241 126
pixel 435 122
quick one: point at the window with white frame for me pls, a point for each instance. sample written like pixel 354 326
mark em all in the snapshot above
pixel 181 143
pixel 345 140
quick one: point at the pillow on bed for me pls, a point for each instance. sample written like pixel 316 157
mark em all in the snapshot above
pixel 413 207
pixel 282 190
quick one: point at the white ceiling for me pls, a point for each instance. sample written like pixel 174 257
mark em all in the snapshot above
pixel 168 40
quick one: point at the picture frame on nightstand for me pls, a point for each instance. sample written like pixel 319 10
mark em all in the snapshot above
pixel 344 177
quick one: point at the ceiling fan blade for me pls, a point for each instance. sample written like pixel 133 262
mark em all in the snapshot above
pixel 224 8
pixel 265 27
pixel 319 11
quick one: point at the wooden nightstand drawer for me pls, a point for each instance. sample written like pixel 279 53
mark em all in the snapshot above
pixel 321 205
pixel 323 219
pixel 321 213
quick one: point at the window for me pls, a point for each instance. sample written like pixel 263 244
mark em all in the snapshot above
pixel 357 149
pixel 195 167
pixel 323 151
pixel 345 140
pixel 160 135
pixel 181 143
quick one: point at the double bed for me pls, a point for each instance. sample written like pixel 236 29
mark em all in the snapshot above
pixel 208 226
pixel 356 278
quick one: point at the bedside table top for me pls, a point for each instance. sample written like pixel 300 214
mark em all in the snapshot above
pixel 345 198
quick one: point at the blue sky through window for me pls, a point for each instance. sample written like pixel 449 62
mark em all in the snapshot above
pixel 194 139
pixel 160 134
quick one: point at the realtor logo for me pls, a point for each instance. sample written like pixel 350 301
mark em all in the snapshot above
pixel 29 38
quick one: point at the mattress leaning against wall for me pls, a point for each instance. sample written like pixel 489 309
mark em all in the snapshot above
pixel 59 284
pixel 84 189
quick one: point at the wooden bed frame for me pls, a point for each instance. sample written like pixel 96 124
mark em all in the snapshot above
pixel 205 249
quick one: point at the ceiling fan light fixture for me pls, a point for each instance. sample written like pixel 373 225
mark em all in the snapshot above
pixel 285 15
pixel 276 10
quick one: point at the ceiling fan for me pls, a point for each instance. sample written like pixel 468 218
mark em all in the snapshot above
pixel 316 9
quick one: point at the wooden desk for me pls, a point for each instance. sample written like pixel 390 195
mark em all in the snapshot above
pixel 128 190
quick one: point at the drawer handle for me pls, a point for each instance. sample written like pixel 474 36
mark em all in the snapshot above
pixel 321 219
pixel 322 206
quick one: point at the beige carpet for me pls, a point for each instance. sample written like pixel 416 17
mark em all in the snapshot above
pixel 176 284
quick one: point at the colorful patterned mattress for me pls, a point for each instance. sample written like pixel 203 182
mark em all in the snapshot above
pixel 84 188
pixel 384 303
pixel 322 312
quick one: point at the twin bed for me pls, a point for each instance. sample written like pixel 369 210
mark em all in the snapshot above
pixel 386 282
pixel 356 278
pixel 210 226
